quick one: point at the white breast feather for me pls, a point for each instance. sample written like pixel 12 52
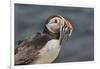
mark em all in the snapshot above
pixel 49 52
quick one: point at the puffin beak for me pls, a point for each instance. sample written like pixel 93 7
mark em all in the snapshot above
pixel 65 31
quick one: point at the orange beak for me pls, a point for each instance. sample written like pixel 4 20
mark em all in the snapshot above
pixel 69 25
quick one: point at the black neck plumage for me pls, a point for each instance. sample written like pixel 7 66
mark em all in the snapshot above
pixel 52 35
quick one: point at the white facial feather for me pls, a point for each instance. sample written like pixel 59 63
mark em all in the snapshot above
pixel 54 24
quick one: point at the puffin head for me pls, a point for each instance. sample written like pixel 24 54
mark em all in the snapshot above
pixel 59 26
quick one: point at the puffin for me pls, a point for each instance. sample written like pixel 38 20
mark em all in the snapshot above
pixel 43 47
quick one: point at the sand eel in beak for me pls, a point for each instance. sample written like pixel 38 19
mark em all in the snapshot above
pixel 44 47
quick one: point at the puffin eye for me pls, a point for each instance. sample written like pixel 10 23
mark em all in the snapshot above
pixel 55 21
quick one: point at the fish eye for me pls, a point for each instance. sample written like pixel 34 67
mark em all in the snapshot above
pixel 68 31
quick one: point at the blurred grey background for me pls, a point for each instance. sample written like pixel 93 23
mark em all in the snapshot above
pixel 30 19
